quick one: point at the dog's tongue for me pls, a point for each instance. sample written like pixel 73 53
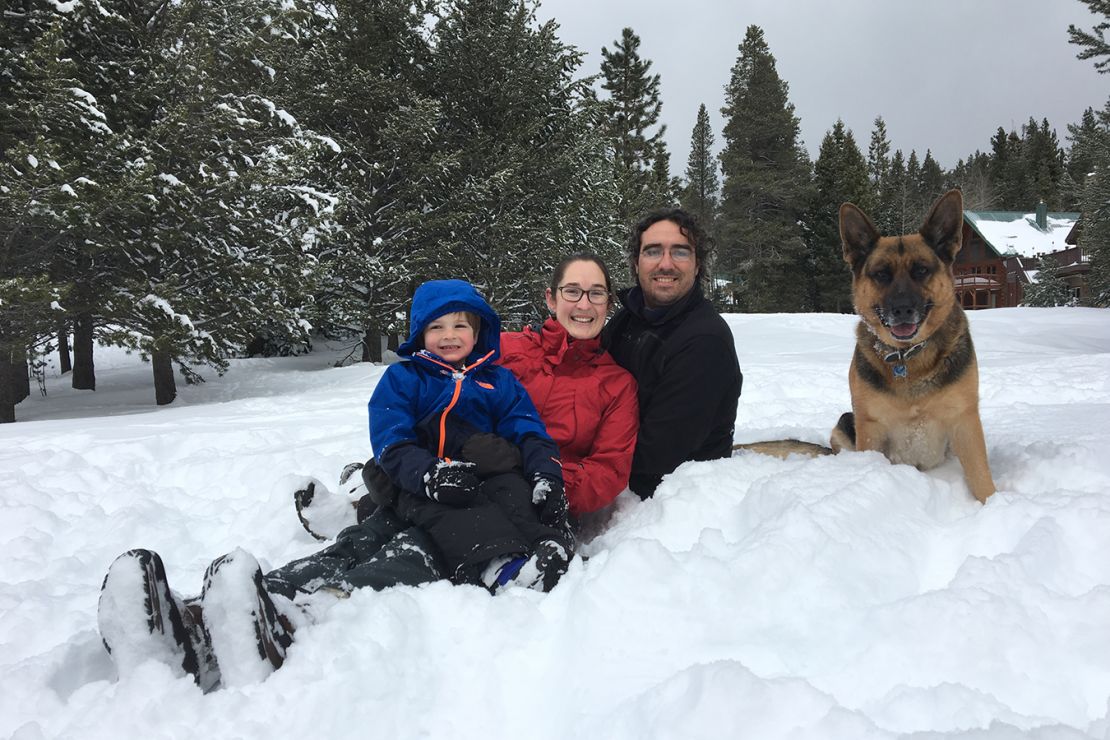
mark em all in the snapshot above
pixel 903 331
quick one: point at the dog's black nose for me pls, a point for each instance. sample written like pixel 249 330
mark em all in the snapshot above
pixel 902 312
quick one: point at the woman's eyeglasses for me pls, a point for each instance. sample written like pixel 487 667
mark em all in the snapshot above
pixel 573 293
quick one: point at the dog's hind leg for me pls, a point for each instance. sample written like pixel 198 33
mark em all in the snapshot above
pixel 844 433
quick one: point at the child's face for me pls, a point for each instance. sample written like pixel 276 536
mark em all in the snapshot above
pixel 450 336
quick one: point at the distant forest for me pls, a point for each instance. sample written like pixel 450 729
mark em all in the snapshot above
pixel 198 181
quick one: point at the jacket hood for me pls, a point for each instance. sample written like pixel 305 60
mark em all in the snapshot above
pixel 438 297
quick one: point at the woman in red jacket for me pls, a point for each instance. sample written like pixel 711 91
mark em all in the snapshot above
pixel 587 401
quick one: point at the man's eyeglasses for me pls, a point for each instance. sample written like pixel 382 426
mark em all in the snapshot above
pixel 678 254
pixel 573 293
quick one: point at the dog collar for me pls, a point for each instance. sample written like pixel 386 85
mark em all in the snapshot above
pixel 899 356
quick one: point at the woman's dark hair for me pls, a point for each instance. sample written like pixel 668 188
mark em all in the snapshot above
pixel 561 269
pixel 687 224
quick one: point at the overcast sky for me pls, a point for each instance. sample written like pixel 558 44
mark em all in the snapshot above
pixel 943 74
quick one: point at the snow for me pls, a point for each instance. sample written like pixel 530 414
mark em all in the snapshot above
pixel 835 597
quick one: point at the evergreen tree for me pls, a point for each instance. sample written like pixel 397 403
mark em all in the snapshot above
pixel 913 196
pixel 633 110
pixel 513 173
pixel 1049 289
pixel 840 175
pixel 1027 168
pixel 1093 42
pixel 1007 171
pixel 1095 210
pixel 878 168
pixel 667 188
pixel 700 195
pixel 54 137
pixel 1044 161
pixel 355 74
pixel 765 184
pixel 202 239
pixel 1081 157
pixel 1095 236
pixel 891 205
pixel 1095 199
pixel 932 182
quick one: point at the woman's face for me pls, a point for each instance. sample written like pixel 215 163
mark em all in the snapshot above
pixel 581 319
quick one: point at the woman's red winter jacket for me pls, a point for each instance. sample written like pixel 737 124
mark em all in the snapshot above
pixel 588 404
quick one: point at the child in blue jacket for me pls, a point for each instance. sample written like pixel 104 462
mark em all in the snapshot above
pixel 432 416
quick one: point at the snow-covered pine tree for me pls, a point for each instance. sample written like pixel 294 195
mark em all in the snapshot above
pixel 1080 157
pixel 1095 188
pixel 1049 289
pixel 840 175
pixel 1094 235
pixel 209 209
pixel 513 175
pixel 53 133
pixel 766 178
pixel 632 111
pixel 355 74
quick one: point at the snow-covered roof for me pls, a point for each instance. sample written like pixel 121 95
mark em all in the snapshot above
pixel 1016 233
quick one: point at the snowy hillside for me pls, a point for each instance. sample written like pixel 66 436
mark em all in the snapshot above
pixel 839 597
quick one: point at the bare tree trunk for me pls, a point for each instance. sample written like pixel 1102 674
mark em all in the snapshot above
pixel 372 345
pixel 393 342
pixel 21 376
pixel 7 387
pixel 84 375
pixel 63 349
pixel 165 387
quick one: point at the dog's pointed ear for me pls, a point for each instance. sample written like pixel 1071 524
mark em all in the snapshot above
pixel 858 235
pixel 944 226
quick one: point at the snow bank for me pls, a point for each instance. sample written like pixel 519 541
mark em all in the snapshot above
pixel 839 597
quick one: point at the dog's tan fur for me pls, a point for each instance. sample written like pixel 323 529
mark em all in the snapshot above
pixel 914 379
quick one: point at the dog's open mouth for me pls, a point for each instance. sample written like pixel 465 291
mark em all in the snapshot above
pixel 904 332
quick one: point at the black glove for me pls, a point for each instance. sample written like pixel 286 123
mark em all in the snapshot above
pixel 379 487
pixel 492 454
pixel 452 483
pixel 549 496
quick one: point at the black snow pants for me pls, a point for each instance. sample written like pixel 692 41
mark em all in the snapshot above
pixel 381 551
pixel 503 521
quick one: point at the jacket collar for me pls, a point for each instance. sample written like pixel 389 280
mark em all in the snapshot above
pixel 556 343
pixel 433 362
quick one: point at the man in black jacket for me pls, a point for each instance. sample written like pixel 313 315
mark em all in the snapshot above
pixel 678 348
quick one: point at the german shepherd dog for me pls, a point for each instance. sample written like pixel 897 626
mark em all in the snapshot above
pixel 914 379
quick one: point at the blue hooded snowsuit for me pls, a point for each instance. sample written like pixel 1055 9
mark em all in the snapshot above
pixel 423 410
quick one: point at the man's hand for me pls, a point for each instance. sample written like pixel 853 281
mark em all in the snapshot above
pixel 452 483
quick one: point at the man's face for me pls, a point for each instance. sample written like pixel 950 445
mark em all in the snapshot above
pixel 667 265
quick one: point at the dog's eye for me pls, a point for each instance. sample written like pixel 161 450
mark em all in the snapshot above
pixel 882 276
pixel 920 272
